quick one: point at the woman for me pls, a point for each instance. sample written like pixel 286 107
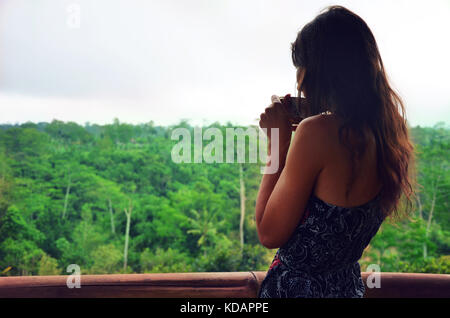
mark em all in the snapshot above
pixel 348 163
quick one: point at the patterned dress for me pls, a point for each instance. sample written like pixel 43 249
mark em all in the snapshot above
pixel 320 259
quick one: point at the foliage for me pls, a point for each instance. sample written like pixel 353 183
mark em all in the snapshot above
pixel 48 266
pixel 64 189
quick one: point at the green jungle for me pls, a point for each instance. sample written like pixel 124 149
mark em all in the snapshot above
pixel 110 199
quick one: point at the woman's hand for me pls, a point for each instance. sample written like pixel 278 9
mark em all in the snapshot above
pixel 276 116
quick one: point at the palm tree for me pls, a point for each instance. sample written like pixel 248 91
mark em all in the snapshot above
pixel 203 224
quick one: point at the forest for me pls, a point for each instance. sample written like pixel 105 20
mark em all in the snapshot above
pixel 110 199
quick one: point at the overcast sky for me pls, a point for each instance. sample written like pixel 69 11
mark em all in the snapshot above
pixel 210 60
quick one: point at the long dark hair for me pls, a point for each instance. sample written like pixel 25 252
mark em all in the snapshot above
pixel 345 75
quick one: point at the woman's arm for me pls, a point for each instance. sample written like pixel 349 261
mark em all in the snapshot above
pixel 269 181
pixel 282 197
pixel 273 117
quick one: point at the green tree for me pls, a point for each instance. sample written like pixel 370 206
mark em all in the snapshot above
pixel 48 266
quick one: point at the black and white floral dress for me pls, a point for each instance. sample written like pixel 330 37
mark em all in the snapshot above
pixel 320 259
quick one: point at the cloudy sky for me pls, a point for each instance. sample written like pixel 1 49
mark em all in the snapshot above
pixel 204 60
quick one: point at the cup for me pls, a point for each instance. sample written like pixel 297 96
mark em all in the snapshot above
pixel 295 108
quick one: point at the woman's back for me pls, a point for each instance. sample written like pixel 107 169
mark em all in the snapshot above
pixel 333 180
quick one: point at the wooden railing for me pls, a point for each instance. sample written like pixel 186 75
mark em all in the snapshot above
pixel 207 285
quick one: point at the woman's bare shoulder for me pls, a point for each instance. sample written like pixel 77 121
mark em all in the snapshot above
pixel 315 135
pixel 321 127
